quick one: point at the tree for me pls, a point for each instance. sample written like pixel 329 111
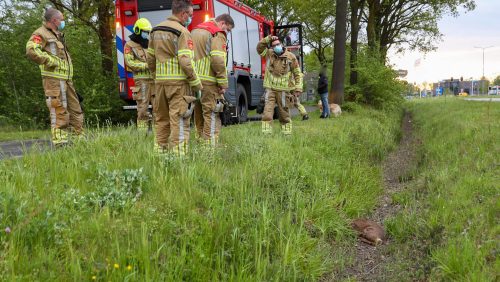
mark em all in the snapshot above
pixel 357 7
pixel 319 28
pixel 496 81
pixel 338 74
pixel 408 23
pixel 278 11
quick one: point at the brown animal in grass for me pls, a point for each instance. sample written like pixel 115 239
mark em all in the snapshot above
pixel 369 231
pixel 334 109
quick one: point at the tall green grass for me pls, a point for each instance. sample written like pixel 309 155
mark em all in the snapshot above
pixel 259 208
pixel 452 209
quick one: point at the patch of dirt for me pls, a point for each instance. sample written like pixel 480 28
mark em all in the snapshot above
pixel 370 262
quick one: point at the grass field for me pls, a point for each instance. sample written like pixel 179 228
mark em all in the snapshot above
pixel 261 208
pixel 451 213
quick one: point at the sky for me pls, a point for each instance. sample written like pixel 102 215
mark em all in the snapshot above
pixel 456 56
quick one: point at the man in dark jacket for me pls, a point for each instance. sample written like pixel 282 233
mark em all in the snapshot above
pixel 323 93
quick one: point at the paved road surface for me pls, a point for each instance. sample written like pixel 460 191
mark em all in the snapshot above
pixel 13 149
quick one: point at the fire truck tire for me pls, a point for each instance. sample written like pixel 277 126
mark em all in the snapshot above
pixel 241 104
pixel 225 117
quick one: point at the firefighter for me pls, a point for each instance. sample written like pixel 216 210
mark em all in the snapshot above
pixel 135 60
pixel 170 60
pixel 210 59
pixel 47 48
pixel 280 68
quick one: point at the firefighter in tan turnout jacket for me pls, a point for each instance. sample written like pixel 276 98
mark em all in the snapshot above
pixel 170 59
pixel 210 59
pixel 281 67
pixel 135 60
pixel 47 48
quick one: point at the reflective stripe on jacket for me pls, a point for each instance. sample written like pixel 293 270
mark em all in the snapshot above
pixel 135 60
pixel 280 69
pixel 47 49
pixel 170 55
pixel 210 53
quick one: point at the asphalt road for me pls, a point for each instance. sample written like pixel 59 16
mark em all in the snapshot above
pixel 13 149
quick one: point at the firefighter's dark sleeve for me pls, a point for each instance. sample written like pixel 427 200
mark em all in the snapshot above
pixel 150 57
pixel 262 48
pixel 297 74
pixel 132 61
pixel 185 55
pixel 35 52
pixel 218 59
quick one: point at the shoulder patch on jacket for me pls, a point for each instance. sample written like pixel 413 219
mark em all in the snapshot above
pixel 127 50
pixel 190 44
pixel 37 39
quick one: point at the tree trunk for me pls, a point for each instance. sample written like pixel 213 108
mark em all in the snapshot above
pixel 105 19
pixel 338 74
pixel 356 7
pixel 373 27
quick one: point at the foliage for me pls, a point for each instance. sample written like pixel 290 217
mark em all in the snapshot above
pixel 408 24
pixel 242 212
pixel 117 190
pixel 378 84
pixel 318 18
pixel 496 81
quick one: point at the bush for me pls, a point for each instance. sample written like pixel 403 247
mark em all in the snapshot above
pixel 378 85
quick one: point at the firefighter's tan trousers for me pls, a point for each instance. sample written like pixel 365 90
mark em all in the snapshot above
pixel 66 116
pixel 171 123
pixel 284 100
pixel 143 97
pixel 209 117
pixel 198 117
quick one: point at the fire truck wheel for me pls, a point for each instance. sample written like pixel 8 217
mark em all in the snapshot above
pixel 242 105
pixel 225 117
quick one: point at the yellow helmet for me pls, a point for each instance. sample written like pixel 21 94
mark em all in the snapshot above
pixel 142 24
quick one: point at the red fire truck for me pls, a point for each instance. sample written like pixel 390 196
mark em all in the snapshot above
pixel 246 68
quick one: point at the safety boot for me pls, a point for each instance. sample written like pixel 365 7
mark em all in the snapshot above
pixel 180 150
pixel 266 127
pixel 59 137
pixel 305 117
pixel 286 129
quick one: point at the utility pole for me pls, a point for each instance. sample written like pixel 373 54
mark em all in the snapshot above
pixel 479 47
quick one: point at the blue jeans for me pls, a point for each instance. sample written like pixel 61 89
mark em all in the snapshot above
pixel 326 106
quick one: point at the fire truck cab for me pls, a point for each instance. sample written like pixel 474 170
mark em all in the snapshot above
pixel 245 67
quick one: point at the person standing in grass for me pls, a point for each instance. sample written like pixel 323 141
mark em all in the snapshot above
pixel 170 60
pixel 323 93
pixel 210 55
pixel 47 47
pixel 135 60
pixel 281 66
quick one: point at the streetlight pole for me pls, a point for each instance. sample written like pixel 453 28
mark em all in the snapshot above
pixel 479 47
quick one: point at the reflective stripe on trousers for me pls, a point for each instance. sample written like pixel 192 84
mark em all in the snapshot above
pixel 212 128
pixel 64 99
